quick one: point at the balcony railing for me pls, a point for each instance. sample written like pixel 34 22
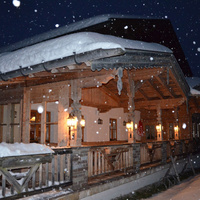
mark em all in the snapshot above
pixel 26 175
pixel 104 160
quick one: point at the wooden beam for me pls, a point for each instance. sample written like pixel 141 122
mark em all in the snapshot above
pixel 133 59
pixel 176 82
pixel 101 107
pixel 143 94
pixel 139 84
pixel 164 103
pixel 164 83
pixel 111 94
pixel 159 93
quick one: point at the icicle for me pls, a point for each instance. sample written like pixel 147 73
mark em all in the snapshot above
pixel 119 82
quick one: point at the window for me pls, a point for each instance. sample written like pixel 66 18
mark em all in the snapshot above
pixel 10 123
pixel 44 123
pixel 113 129
pixel 150 131
pixel 35 128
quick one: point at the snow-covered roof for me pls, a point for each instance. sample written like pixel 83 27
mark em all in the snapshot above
pixel 193 82
pixel 71 28
pixel 19 149
pixel 65 46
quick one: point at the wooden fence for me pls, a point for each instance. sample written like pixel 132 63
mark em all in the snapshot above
pixel 103 160
pixel 25 175
pixel 150 152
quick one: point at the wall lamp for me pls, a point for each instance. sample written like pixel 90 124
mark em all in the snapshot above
pixel 129 125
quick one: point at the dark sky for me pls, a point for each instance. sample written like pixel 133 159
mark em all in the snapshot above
pixel 38 16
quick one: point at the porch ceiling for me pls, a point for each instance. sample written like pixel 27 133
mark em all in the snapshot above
pixel 153 87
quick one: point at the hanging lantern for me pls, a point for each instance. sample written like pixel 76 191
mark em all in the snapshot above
pixel 82 122
pixel 100 121
pixel 129 125
pixel 71 120
pixel 158 128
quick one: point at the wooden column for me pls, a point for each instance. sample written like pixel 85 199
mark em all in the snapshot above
pixel 26 116
pixel 43 123
pixel 1 122
pixel 131 108
pixel 63 107
pixel 159 124
pixel 7 115
pixel 76 97
pixel 176 130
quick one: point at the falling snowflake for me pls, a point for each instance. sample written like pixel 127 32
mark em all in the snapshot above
pixel 40 109
pixel 57 25
pixel 16 3
pixel 125 27
pixel 198 49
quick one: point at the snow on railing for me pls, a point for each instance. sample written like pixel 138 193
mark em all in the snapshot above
pixel 26 174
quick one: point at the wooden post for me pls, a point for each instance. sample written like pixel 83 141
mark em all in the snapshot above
pixel 159 125
pixel 43 123
pixel 26 116
pixel 6 134
pixel 131 94
pixel 76 97
pixel 63 106
pixel 1 122
pixel 177 131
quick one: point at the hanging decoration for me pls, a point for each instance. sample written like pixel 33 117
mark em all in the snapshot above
pixel 119 82
pixel 140 128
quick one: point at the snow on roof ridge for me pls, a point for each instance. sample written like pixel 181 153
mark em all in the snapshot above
pixel 193 82
pixel 66 46
pixel 68 29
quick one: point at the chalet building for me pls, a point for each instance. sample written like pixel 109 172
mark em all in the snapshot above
pixel 113 86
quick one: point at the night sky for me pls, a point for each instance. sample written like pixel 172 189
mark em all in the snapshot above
pixel 33 17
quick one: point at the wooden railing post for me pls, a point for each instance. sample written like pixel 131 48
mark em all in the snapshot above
pixel 79 167
pixel 164 152
pixel 136 157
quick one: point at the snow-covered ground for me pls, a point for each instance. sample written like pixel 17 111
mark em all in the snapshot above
pixel 188 190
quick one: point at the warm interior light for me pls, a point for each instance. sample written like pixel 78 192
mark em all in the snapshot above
pixel 71 121
pixel 33 119
pixel 82 122
pixel 135 126
pixel 129 125
pixel 158 127
pixel 176 128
